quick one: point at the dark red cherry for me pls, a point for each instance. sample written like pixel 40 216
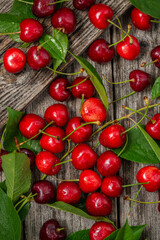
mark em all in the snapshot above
pixel 108 164
pixel 155 55
pixel 80 135
pixel 2 152
pixel 14 60
pixel 30 125
pixel 141 80
pixel 58 89
pixel 89 181
pixel 100 52
pixel 45 192
pixel 112 136
pixel 112 186
pixel 64 19
pixel 86 88
pixel 30 155
pixel 153 128
pixel 83 4
pixel 38 57
pixel 43 8
pixel 99 14
pixel 100 230
pixel 68 192
pixel 141 20
pixel 83 157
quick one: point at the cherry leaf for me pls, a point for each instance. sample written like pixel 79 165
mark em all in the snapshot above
pixel 156 89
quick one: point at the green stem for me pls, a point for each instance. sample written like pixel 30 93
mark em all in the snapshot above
pixel 145 65
pixel 60 1
pixel 31 3
pixel 135 199
pixel 70 160
pixel 67 153
pixel 82 103
pixel 134 184
pixel 123 97
pixel 120 26
pixel 20 202
pixel 44 177
pixel 67 74
pixel 123 147
pixel 1 61
pixel 96 145
pixel 65 180
pixel 49 135
pixel 154 21
pixel 2 138
pixel 3 34
pixel 77 84
pixel 23 204
pixel 111 45
pixel 130 80
pixel 117 26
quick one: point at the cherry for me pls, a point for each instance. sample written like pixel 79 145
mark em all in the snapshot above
pixel 14 60
pixel 83 4
pixel 52 144
pixel 2 152
pixel 85 88
pixel 141 80
pixel 38 57
pixel 30 155
pixel 83 157
pixel 64 19
pixel 57 113
pixel 108 164
pixel 128 50
pixel 141 20
pixel 45 192
pixel 100 230
pixel 80 135
pixel 98 204
pixel 89 181
pixel 112 136
pixel 155 55
pixel 58 89
pixel 100 52
pixel 93 110
pixel 43 8
pixel 149 174
pixel 30 125
pixel 45 162
pixel 68 192
pixel 112 186
pixel 51 230
pixel 153 128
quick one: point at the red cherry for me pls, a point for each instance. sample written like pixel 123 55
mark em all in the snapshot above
pixel 153 129
pixel 83 157
pixel 52 144
pixel 58 89
pixel 38 57
pixel 2 152
pixel 127 50
pixel 57 113
pixel 155 55
pixel 64 19
pixel 80 135
pixel 100 230
pixel 149 174
pixel 86 88
pixel 68 192
pixel 112 186
pixel 141 20
pixel 43 8
pixel 83 4
pixel 141 80
pixel 98 204
pixel 30 155
pixel 112 136
pixel 30 125
pixel 45 162
pixel 14 60
pixel 108 164
pixel 100 52
pixel 99 14
pixel 89 181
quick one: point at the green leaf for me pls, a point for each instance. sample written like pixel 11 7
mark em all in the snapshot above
pixel 10 224
pixel 3 186
pixel 137 231
pixel 125 233
pixel 24 211
pixel 156 89
pixel 16 167
pixel 95 78
pixel 83 234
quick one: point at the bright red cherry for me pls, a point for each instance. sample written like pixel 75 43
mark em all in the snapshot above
pixel 30 125
pixel 68 192
pixel 45 192
pixel 141 80
pixel 64 19
pixel 100 230
pixel 155 55
pixel 2 152
pixel 113 136
pixel 149 174
pixel 43 8
pixel 45 162
pixel 30 155
pixel 108 164
pixel 83 157
pixel 80 135
pixel 153 128
pixel 141 20
pixel 58 89
pixel 86 88
pixel 14 60
pixel 38 57
pixel 89 181
pixel 99 14
pixel 83 4
pixel 112 186
pixel 127 50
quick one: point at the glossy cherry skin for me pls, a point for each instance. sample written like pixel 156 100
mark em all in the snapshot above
pixel 149 174
pixel 98 204
pixel 80 135
pixel 52 144
pixel 2 152
pixel 141 20
pixel 31 30
pixel 93 110
pixel 141 80
pixel 64 19
pixel 86 88
pixel 57 113
pixel 83 157
pixel 127 50
pixel 45 192
pixel 153 129
pixel 30 125
pixel 45 162
pixel 155 55
pixel 100 52
pixel 83 4
pixel 108 164
pixel 112 136
pixel 38 57
pixel 58 90
pixel 89 181
pixel 42 8
pixel 14 60
pixel 68 192
pixel 112 186
pixel 100 230
pixel 30 155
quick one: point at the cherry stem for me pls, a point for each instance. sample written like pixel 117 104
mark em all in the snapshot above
pixel 44 177
pixel 133 200
pixel 61 1
pixel 123 97
pixel 65 180
pixel 70 160
pixel 3 34
pixel 50 135
pixel 82 103
pixel 130 80
pixel 31 3
pixel 145 65
pixel 123 147
pixel 39 47
pixel 96 145
pixel 134 184
pixel 113 44
pixel 67 153
pixel 154 21
pixel 61 229
pixel 67 74
pixel 1 61
pixel 17 144
pixel 77 83
pixel 2 139
pixel 120 26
